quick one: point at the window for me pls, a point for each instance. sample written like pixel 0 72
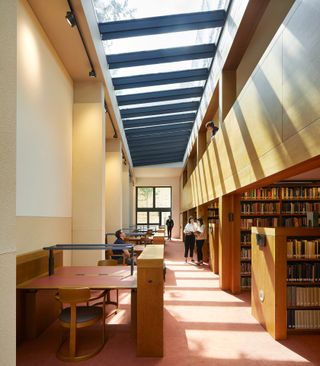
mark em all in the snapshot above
pixel 145 197
pixel 153 206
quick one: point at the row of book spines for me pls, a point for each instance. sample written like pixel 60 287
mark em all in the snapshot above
pixel 262 193
pixel 303 296
pixel 245 267
pixel 294 222
pixel 304 272
pixel 275 208
pixel 273 222
pixel 245 238
pixel 303 192
pixel 262 208
pixel 303 248
pixel 245 253
pixel 300 207
pixel 260 222
pixel 303 319
pixel 245 282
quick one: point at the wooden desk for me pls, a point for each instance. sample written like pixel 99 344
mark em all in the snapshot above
pixel 96 278
pixel 139 248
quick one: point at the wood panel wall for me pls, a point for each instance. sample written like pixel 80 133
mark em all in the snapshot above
pixel 273 126
pixel 44 307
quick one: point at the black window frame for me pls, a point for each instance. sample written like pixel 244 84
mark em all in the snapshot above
pixel 154 208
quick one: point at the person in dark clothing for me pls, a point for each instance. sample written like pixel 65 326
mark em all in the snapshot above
pixel 189 242
pixel 170 225
pixel 211 127
pixel 119 254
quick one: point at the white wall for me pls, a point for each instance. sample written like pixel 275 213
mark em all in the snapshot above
pixel 8 67
pixel 44 124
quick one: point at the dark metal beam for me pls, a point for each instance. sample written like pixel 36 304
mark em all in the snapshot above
pixel 144 122
pixel 173 159
pixel 166 128
pixel 155 153
pixel 147 136
pixel 162 78
pixel 142 144
pixel 159 96
pixel 162 24
pixel 160 56
pixel 159 109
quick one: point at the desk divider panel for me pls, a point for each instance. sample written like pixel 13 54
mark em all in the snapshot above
pixel 150 302
pixel 36 310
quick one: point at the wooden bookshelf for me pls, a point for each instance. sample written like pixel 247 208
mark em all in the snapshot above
pixel 213 212
pixel 275 302
pixel 280 205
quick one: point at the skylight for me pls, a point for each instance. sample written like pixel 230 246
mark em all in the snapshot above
pixel 151 60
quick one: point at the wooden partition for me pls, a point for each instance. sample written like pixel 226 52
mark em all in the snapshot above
pixel 150 302
pixel 269 276
pixel 158 238
pixel 35 310
pixel 213 234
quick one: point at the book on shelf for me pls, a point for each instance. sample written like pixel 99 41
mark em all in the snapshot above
pixel 245 282
pixel 303 248
pixel 245 268
pixel 303 319
pixel 245 253
pixel 303 296
pixel 304 272
pixel 300 192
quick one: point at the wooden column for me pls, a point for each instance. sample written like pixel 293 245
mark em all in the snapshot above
pixel 202 211
pixel 229 242
pixel 213 234
pixel 150 302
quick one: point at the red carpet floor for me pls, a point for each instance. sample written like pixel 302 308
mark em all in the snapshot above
pixel 202 326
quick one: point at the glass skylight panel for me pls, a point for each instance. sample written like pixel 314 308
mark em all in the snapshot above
pixel 157 115
pixel 157 68
pixel 163 102
pixel 182 124
pixel 148 89
pixel 146 8
pixel 158 41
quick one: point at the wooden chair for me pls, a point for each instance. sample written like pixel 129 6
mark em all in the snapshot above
pixel 74 317
pixel 110 262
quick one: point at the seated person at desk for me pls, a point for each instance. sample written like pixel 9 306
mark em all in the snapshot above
pixel 119 254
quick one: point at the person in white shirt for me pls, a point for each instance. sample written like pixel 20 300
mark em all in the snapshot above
pixel 201 236
pixel 189 242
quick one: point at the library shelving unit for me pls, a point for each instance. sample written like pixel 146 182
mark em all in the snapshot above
pixel 285 204
pixel 286 279
pixel 213 212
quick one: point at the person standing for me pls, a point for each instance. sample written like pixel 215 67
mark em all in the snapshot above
pixel 170 225
pixel 201 236
pixel 189 231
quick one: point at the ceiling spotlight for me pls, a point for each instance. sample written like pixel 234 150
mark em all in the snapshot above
pixel 71 19
pixel 92 74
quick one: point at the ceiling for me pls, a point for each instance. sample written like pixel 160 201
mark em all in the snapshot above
pixel 159 66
